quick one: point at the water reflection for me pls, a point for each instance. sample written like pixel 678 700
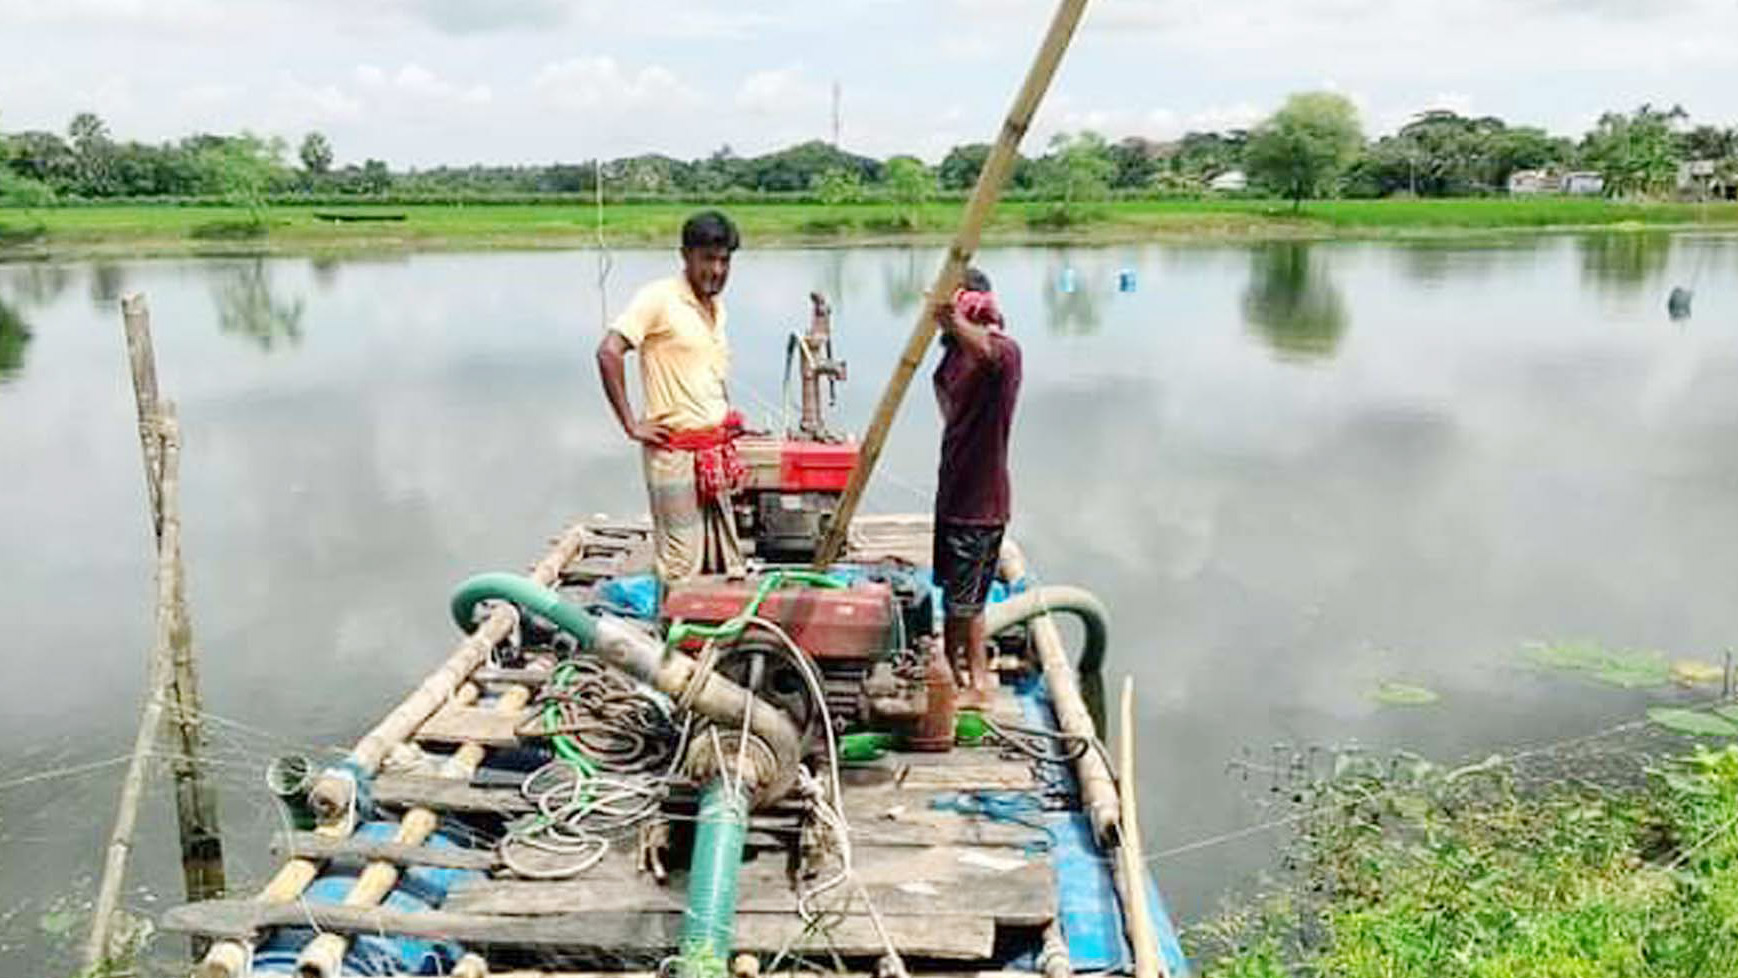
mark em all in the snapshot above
pixel 38 285
pixel 1071 301
pixel 1292 303
pixel 1436 262
pixel 903 282
pixel 107 281
pixel 325 269
pixel 246 306
pixel 14 337
pixel 834 279
pixel 1624 260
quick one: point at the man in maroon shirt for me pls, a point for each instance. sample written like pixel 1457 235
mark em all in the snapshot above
pixel 976 385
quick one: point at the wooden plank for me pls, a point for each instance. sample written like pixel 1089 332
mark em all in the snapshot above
pixel 941 881
pixel 443 794
pixel 969 777
pixel 954 938
pixel 484 725
pixel 520 677
pixel 311 845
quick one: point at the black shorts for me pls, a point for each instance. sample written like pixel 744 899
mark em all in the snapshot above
pixel 965 564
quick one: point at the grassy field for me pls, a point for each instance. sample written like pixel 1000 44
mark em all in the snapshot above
pixel 1463 874
pixel 147 229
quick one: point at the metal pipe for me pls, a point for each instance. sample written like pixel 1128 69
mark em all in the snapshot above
pixel 644 657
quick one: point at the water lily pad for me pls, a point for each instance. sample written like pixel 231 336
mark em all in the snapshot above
pixel 1629 668
pixel 57 923
pixel 1403 694
pixel 1696 722
pixel 1693 671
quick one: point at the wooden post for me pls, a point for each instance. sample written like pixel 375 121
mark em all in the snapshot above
pixel 995 173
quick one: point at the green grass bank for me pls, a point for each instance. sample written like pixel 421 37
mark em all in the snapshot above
pixel 98 230
pixel 1426 873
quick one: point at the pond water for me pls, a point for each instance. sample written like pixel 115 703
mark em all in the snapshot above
pixel 1294 472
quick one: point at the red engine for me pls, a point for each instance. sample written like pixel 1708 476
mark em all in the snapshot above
pixel 846 631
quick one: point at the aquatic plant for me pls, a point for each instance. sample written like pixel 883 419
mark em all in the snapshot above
pixel 1463 873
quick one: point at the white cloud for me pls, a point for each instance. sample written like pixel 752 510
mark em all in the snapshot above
pixel 415 80
pixel 302 104
pixel 594 82
pixel 778 92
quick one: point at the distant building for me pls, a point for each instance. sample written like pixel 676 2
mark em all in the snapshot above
pixel 1532 182
pixel 1583 183
pixel 1702 180
pixel 1231 181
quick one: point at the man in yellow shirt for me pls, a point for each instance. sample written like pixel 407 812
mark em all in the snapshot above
pixel 676 325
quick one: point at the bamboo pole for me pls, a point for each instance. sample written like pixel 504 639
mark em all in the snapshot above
pixel 1137 915
pixel 991 178
pixel 156 695
pixel 1097 789
pixel 199 828
pixel 142 359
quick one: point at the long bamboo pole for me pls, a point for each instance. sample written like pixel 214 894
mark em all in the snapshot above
pixel 1097 788
pixel 157 684
pixel 1137 914
pixel 991 179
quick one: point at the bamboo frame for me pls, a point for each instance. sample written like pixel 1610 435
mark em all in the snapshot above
pixel 991 178
pixel 227 959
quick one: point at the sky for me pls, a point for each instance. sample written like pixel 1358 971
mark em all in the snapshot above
pixel 429 82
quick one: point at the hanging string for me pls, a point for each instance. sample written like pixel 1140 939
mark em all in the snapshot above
pixel 604 259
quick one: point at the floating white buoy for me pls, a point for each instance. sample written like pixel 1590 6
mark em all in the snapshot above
pixel 1066 282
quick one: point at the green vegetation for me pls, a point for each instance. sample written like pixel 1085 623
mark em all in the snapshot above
pixel 1306 146
pixel 139 229
pixel 1629 668
pixel 1437 874
pixel 1309 148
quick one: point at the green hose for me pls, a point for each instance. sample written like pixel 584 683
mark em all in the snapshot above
pixel 709 923
pixel 527 594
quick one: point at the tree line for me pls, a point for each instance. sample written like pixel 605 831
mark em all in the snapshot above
pixel 1313 146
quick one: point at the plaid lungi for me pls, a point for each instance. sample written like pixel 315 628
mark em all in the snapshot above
pixel 692 536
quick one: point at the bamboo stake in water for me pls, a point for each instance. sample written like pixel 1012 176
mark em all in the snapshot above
pixel 156 696
pixel 991 178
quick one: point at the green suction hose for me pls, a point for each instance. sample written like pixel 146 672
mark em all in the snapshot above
pixel 709 923
pixel 527 594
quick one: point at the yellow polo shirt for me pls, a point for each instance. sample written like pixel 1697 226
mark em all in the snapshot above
pixel 684 356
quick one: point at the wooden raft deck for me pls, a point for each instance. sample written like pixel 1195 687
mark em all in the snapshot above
pixel 956 889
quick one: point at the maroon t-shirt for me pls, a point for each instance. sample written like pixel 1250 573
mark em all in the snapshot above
pixel 977 396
